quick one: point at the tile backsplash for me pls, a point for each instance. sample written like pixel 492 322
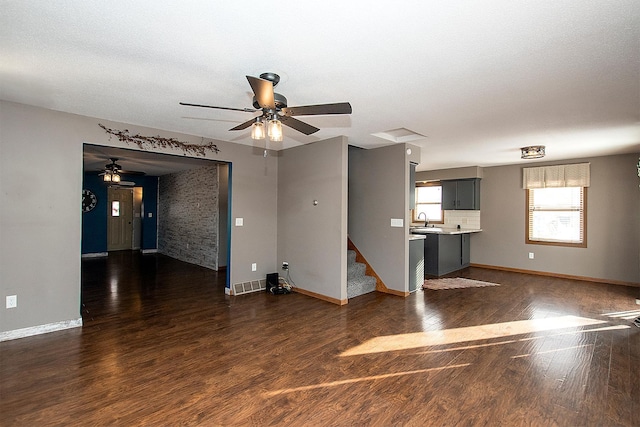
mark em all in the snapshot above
pixel 465 219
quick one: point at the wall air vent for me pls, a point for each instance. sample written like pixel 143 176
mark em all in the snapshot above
pixel 247 287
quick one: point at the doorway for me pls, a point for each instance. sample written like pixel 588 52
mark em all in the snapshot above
pixel 132 218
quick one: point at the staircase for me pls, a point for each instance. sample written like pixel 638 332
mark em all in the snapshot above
pixel 358 283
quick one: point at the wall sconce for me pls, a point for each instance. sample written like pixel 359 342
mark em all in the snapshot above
pixel 532 152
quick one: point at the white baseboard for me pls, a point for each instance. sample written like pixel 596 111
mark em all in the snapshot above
pixel 149 251
pixel 40 329
pixel 95 255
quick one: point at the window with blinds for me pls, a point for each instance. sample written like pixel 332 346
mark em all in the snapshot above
pixel 556 216
pixel 428 202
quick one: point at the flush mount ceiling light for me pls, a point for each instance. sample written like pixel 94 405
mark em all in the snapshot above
pixel 532 152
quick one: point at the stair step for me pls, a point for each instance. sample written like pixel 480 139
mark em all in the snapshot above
pixel 355 270
pixel 358 283
pixel 361 286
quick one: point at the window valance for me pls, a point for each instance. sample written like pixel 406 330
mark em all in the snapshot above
pixel 575 175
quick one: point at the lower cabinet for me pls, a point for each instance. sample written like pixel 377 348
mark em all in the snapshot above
pixel 416 264
pixel 445 253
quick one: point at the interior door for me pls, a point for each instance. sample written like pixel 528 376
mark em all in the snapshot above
pixel 120 219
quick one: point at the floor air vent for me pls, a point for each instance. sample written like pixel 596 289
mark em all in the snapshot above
pixel 252 286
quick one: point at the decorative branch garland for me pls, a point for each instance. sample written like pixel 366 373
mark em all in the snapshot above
pixel 159 142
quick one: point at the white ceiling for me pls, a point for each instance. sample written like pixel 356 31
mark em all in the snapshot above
pixel 479 79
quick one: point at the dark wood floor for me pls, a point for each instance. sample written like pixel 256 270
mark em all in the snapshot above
pixel 162 345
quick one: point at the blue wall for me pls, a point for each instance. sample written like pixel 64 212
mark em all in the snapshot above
pixel 94 222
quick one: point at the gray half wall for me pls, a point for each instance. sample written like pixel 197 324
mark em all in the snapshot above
pixel 378 192
pixel 313 238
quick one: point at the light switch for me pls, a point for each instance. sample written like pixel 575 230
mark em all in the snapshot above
pixel 239 222
pixel 397 222
pixel 150 215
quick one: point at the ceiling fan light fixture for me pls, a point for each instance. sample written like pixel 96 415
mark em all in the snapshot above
pixel 115 177
pixel 532 152
pixel 257 130
pixel 106 177
pixel 275 130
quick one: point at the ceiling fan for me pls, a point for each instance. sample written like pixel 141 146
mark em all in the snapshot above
pixel 113 171
pixel 275 112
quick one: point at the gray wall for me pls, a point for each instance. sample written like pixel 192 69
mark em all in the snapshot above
pixel 613 224
pixel 40 218
pixel 188 216
pixel 378 192
pixel 313 238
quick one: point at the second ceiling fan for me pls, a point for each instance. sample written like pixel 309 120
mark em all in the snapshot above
pixel 275 111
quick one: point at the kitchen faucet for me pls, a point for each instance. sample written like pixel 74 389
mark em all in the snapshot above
pixel 426 221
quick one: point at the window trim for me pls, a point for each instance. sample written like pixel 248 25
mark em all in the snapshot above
pixel 529 241
pixel 414 211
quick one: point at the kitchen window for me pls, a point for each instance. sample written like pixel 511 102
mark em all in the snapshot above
pixel 556 200
pixel 428 202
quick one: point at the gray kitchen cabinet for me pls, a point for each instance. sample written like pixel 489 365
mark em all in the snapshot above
pixel 446 253
pixel 466 250
pixel 416 264
pixel 461 194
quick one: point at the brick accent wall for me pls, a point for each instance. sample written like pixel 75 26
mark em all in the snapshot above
pixel 188 216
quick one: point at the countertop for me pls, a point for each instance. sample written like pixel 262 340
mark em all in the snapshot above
pixel 442 230
pixel 417 236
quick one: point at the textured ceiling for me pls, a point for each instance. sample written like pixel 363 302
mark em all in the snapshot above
pixel 479 79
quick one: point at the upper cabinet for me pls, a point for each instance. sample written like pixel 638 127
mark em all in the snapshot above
pixel 461 194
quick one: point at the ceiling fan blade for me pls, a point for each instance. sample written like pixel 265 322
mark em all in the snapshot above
pixel 246 110
pixel 263 90
pixel 244 125
pixel 126 172
pixel 318 110
pixel 298 125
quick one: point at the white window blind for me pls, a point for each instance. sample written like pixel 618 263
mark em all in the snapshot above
pixel 575 175
pixel 556 215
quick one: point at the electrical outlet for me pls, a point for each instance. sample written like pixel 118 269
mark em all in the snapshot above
pixel 531 255
pixel 12 301
pixel 285 265
pixel 254 266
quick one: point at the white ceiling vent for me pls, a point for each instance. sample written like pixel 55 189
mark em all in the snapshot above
pixel 399 135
